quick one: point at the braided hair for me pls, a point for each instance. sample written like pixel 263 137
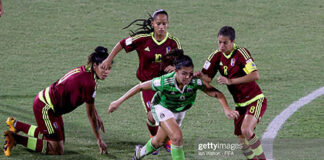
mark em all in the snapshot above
pixel 145 24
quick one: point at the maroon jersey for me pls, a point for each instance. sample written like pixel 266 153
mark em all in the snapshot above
pixel 237 64
pixel 150 52
pixel 72 90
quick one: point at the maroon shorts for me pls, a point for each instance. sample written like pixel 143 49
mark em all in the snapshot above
pixel 49 124
pixel 257 109
pixel 147 96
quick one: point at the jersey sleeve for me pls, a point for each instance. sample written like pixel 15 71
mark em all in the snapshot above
pixel 157 84
pixel 247 61
pixel 130 43
pixel 211 65
pixel 175 42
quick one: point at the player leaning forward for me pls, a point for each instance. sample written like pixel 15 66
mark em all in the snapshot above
pixel 238 71
pixel 63 96
pixel 175 93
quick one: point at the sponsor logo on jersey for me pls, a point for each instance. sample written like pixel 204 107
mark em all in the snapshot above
pixel 157 83
pixel 221 63
pixel 172 92
pixel 129 41
pixel 168 49
pixel 206 65
pixel 232 62
pixel 147 49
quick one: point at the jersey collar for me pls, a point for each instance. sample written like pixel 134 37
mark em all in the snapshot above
pixel 229 56
pixel 157 42
pixel 176 85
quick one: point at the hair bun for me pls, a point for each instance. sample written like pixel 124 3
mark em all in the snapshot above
pixel 101 49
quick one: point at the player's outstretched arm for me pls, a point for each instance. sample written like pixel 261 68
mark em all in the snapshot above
pixel 113 53
pixel 213 92
pixel 253 76
pixel 142 86
pixel 202 76
pixel 96 124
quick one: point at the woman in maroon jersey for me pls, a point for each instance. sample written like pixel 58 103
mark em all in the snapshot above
pixel 238 71
pixel 152 42
pixel 63 96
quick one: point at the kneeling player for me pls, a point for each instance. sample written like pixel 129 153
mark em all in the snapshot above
pixel 175 93
pixel 63 96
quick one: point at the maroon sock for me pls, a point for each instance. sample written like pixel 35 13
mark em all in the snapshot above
pixel 21 139
pixel 24 141
pixel 153 129
pixel 24 127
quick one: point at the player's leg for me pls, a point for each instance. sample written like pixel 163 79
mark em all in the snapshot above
pixel 147 96
pixel 170 123
pixel 173 131
pixel 253 114
pixel 248 153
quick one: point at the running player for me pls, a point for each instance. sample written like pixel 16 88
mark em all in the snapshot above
pixel 238 71
pixel 63 96
pixel 175 93
pixel 151 42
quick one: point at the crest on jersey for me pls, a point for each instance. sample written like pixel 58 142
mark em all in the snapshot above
pixel 162 115
pixel 168 49
pixel 232 62
pixel 147 49
pixel 182 97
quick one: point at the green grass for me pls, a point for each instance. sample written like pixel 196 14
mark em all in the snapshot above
pixel 42 40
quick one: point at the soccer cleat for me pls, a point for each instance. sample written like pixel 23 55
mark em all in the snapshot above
pixel 167 147
pixel 156 152
pixel 10 123
pixel 137 152
pixel 9 142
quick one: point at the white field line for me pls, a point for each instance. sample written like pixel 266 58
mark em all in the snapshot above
pixel 272 130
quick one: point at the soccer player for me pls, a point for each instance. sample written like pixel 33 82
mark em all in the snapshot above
pixel 175 93
pixel 238 71
pixel 63 96
pixel 151 42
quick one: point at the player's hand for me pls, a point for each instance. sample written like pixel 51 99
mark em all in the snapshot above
pixel 197 74
pixel 113 106
pixel 224 80
pixel 102 146
pixel 169 69
pixel 231 114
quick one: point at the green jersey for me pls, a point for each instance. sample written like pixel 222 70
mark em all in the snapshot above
pixel 170 96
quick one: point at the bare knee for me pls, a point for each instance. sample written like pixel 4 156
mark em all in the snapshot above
pixel 176 138
pixel 247 132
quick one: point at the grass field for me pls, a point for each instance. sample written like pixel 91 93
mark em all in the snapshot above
pixel 42 40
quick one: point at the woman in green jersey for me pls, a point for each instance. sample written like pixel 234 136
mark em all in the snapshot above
pixel 175 93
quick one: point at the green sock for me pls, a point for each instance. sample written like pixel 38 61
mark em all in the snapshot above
pixel 147 149
pixel 177 152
